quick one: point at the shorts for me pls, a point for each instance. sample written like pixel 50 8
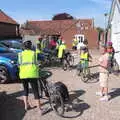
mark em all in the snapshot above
pixel 103 77
pixel 84 64
pixel 34 84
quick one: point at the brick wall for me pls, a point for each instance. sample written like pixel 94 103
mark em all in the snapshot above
pixel 7 30
pixel 91 35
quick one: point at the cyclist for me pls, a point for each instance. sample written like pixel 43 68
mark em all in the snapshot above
pixel 40 42
pixel 84 57
pixel 61 50
pixel 29 73
pixel 110 50
pixel 39 53
pixel 74 44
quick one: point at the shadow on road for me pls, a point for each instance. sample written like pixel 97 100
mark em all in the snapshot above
pixel 11 108
pixel 115 93
pixel 75 105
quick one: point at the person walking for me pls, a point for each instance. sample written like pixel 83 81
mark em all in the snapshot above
pixel 103 75
pixel 29 73
pixel 61 50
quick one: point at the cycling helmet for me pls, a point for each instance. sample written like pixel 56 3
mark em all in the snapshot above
pixel 109 43
pixel 27 44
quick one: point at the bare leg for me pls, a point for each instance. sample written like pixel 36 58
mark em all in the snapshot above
pixel 26 102
pixel 38 103
pixel 106 91
pixel 102 90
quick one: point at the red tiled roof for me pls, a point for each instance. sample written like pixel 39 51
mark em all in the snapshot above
pixel 6 19
pixel 58 26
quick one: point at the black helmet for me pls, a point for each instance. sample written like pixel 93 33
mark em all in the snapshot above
pixel 27 44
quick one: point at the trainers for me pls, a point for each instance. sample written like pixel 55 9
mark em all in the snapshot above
pixel 43 111
pixel 105 98
pixel 99 94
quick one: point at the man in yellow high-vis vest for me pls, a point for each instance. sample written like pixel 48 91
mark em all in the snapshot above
pixel 61 49
pixel 29 73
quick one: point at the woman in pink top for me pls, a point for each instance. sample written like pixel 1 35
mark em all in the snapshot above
pixel 104 74
pixel 53 44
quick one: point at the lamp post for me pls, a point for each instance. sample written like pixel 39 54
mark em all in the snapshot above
pixel 105 29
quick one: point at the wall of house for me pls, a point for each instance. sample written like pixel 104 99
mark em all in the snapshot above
pixel 7 30
pixel 91 35
pixel 68 36
pixel 115 32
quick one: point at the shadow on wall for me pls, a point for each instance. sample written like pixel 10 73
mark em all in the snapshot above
pixel 11 108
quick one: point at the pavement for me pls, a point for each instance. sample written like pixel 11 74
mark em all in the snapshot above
pixel 86 105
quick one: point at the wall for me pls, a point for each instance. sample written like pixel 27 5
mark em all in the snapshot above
pixel 115 32
pixel 91 35
pixel 7 30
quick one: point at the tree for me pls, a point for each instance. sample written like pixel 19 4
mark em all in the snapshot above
pixel 62 16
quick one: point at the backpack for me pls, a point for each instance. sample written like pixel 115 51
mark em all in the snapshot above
pixel 62 88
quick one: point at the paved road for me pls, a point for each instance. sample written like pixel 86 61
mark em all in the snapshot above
pixel 86 104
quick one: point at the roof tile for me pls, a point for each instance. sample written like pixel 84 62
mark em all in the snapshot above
pixel 6 19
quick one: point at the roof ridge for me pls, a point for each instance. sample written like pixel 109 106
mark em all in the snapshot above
pixel 7 18
pixel 57 20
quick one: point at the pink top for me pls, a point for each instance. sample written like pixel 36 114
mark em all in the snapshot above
pixel 52 43
pixel 103 62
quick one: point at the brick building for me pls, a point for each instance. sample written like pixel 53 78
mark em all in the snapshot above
pixel 9 28
pixel 67 29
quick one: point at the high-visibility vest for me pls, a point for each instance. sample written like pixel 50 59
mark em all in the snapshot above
pixel 61 48
pixel 84 63
pixel 41 44
pixel 28 65
pixel 74 42
pixel 85 57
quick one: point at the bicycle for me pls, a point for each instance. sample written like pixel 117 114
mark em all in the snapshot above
pixel 84 71
pixel 68 61
pixel 113 66
pixel 54 96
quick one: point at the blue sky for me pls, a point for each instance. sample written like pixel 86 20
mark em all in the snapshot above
pixel 22 10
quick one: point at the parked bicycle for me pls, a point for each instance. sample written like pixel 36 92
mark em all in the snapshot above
pixel 51 92
pixel 113 66
pixel 68 61
pixel 83 71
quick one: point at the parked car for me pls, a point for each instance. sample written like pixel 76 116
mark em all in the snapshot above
pixel 8 65
pixel 13 45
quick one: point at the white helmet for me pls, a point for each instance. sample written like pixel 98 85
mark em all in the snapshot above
pixel 63 42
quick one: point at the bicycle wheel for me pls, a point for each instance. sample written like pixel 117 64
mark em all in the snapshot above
pixel 85 75
pixel 115 66
pixel 65 65
pixel 79 69
pixel 56 102
pixel 71 60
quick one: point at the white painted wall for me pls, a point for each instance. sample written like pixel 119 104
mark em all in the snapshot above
pixel 115 32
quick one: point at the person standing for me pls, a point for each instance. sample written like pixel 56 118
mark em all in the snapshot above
pixel 29 73
pixel 74 44
pixel 103 75
pixel 61 50
pixel 59 41
pixel 39 43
